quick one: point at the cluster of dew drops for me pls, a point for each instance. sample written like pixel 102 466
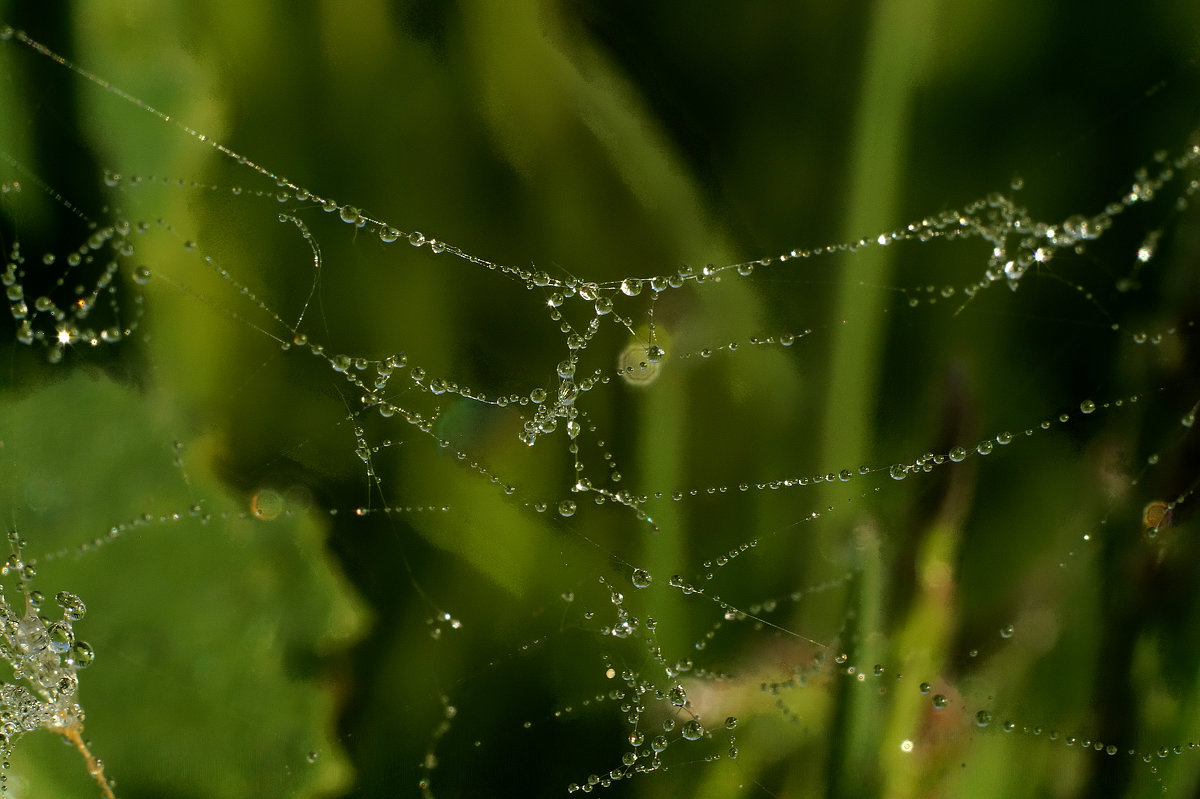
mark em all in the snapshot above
pixel 44 654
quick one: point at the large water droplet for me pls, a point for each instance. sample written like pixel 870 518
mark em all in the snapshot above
pixel 267 504
pixel 677 695
pixel 82 654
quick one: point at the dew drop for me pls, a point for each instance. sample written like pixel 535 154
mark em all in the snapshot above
pixel 566 508
pixel 641 578
pixel 72 605
pixel 692 730
pixel 61 638
pixel 1087 406
pixel 82 654
pixel 677 695
pixel 267 504
pixel 958 454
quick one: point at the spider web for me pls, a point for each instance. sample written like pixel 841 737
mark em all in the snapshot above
pixel 631 508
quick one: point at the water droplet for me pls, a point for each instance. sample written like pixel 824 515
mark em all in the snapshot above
pixel 566 507
pixel 1006 631
pixel 267 504
pixel 983 718
pixel 958 454
pixel 677 695
pixel 635 366
pixel 1087 406
pixel 60 636
pixel 940 701
pixel 82 654
pixel 924 688
pixel 898 472
pixel 731 723
pixel 641 578
pixel 141 275
pixel 631 288
pixel 655 354
pixel 72 605
pixel 692 730
pixel 312 756
pixel 985 447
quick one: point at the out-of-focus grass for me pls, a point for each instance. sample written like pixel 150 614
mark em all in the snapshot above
pixel 617 141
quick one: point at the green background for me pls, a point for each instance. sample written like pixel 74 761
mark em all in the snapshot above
pixel 608 141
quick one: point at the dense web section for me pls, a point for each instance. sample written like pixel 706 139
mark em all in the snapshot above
pixel 616 533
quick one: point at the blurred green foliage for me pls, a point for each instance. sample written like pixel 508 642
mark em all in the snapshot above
pixel 608 141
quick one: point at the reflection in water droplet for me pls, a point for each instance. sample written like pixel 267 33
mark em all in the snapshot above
pixel 267 504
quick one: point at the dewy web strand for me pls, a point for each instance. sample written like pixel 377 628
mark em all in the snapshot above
pixel 683 589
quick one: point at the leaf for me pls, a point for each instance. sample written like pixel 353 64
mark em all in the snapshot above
pixel 209 624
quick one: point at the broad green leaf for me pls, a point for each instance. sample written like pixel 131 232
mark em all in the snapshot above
pixel 210 625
